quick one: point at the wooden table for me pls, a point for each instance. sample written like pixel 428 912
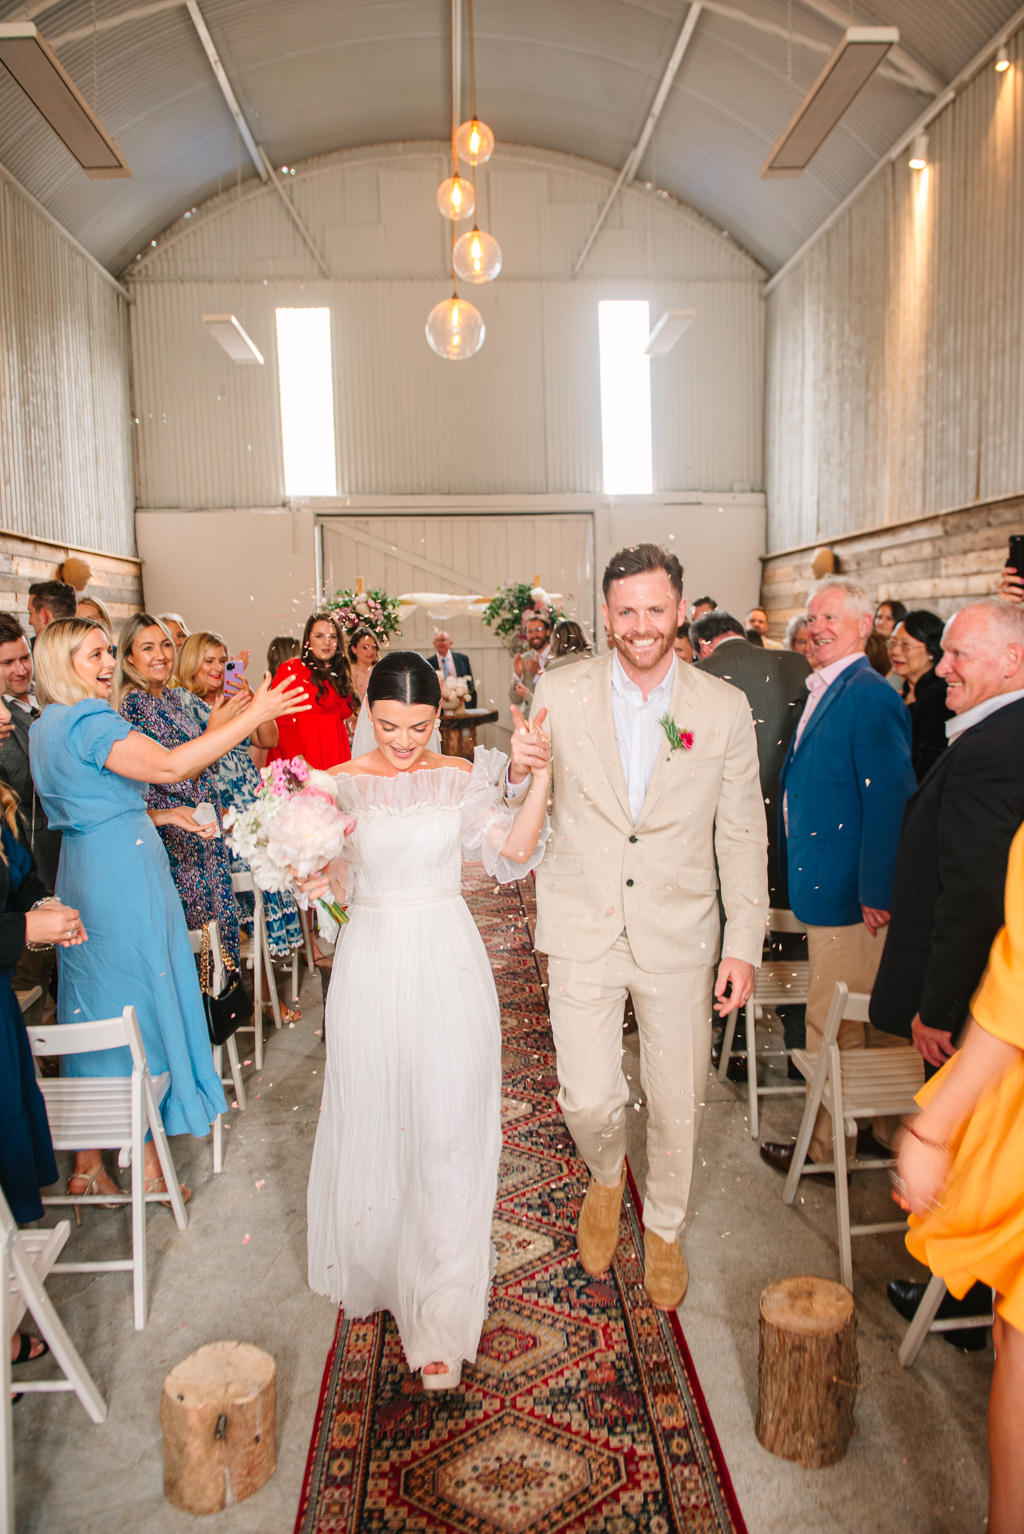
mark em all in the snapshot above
pixel 458 731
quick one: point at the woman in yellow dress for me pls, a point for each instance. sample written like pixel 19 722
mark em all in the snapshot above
pixel 961 1176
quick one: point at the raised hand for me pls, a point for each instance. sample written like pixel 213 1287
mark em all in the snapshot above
pixel 530 751
pixel 269 702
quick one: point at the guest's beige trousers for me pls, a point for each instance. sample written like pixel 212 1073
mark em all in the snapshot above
pixel 852 955
pixel 673 1013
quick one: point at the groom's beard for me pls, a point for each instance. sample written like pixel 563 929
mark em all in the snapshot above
pixel 647 658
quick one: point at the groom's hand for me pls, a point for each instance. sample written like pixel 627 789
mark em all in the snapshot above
pixel 529 750
pixel 734 986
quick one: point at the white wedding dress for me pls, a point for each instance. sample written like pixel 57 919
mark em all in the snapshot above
pixel 405 1165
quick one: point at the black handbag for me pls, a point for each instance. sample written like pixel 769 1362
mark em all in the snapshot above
pixel 233 1008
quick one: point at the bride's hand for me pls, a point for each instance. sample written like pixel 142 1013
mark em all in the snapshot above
pixel 311 886
pixel 530 749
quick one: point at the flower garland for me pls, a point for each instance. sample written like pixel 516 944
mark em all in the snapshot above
pixel 508 610
pixel 373 609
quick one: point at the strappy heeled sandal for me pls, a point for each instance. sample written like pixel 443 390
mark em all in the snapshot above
pixel 91 1188
pixel 157 1185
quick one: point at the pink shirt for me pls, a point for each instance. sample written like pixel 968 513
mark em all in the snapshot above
pixel 817 682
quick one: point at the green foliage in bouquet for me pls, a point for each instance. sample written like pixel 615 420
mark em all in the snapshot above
pixel 374 609
pixel 507 609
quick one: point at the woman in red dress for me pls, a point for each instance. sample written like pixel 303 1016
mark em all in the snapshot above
pixel 322 670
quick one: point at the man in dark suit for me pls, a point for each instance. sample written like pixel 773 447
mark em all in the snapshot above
pixel 449 662
pixel 844 783
pixel 947 903
pixel 16 687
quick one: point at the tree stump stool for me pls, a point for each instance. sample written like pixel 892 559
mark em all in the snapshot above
pixel 807 1371
pixel 217 1413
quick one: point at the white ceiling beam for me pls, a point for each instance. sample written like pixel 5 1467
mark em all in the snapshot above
pixel 636 154
pixel 294 215
pixel 922 78
pixel 107 23
pixel 225 87
pixel 818 45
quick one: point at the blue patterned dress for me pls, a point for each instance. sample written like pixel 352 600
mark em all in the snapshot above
pixel 200 870
pixel 238 782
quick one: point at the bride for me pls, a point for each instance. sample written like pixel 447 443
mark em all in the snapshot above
pixel 405 1165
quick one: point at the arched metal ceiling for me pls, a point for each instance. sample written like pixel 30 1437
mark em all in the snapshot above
pixel 578 76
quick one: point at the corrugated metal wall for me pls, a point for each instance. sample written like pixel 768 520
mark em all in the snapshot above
pixel 65 413
pixel 523 416
pixel 895 350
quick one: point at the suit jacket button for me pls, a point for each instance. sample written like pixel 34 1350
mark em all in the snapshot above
pixel 629 884
pixel 634 838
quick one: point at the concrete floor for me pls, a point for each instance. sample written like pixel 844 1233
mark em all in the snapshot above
pixel 916 1465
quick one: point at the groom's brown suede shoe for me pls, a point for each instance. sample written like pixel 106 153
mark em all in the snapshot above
pixel 598 1233
pixel 665 1275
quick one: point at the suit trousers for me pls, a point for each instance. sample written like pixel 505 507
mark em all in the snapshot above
pixel 852 955
pixel 673 1014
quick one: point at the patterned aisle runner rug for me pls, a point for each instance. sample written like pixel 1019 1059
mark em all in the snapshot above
pixel 582 1412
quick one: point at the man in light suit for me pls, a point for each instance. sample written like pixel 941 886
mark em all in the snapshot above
pixel 449 662
pixel 844 783
pixel 654 778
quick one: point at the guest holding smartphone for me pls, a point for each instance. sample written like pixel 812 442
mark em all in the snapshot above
pixel 321 671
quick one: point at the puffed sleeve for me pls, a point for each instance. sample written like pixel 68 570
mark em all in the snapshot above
pixel 487 819
pixel 998 1003
pixel 94 732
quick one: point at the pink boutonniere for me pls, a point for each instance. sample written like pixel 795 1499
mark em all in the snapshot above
pixel 679 740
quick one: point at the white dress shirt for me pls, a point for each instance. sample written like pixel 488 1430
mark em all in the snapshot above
pixel 972 716
pixel 638 733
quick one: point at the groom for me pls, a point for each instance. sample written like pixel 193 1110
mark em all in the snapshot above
pixel 657 800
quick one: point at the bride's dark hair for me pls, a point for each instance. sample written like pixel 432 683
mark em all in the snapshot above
pixel 403 677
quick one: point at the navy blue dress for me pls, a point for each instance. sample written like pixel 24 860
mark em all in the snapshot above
pixel 26 1154
pixel 114 871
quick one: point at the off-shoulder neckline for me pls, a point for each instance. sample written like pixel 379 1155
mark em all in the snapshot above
pixel 378 777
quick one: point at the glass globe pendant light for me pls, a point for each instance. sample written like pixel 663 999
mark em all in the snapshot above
pixel 456 198
pixel 474 141
pixel 477 256
pixel 455 329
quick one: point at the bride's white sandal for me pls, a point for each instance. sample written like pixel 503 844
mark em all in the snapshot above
pixel 446 1381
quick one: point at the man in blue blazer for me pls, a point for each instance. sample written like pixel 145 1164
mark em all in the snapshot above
pixel 843 786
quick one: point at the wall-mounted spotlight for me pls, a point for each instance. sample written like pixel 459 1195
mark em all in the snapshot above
pixel 1002 60
pixel 918 158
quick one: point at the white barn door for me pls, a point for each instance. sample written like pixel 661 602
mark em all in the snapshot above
pixel 464 554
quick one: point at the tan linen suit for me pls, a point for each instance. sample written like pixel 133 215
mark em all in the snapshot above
pixel 634 907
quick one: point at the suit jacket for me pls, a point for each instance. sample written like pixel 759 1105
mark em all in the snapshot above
pixel 462 668
pixel 950 871
pixel 774 684
pixel 15 770
pixel 655 880
pixel 845 784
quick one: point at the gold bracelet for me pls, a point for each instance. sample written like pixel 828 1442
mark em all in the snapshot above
pixel 942 1145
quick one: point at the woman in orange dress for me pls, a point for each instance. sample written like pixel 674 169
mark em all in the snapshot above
pixel 961 1175
pixel 322 670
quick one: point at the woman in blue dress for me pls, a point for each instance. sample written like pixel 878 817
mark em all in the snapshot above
pixel 144 694
pixel 201 696
pixel 91 771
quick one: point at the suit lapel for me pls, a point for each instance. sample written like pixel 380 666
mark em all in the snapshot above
pixel 597 717
pixel 833 693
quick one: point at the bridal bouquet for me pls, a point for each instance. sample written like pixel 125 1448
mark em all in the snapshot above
pixel 292 827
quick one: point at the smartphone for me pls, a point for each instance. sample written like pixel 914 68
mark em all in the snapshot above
pixel 234 675
pixel 1016 557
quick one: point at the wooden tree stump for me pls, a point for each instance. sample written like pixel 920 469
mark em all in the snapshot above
pixel 217 1413
pixel 807 1371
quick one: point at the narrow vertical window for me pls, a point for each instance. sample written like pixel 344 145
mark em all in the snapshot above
pixel 306 383
pixel 623 329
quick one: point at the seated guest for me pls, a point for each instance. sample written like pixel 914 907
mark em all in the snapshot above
pixel 798 639
pixel 952 857
pixel 887 615
pixel 201 673
pixel 176 626
pixel 449 662
pixel 683 644
pixel 92 770
pixel 363 655
pixel 568 643
pixel 844 783
pixel 49 600
pixel 321 672
pixel 96 611
pixel 914 648
pixel 199 861
pixel 16 682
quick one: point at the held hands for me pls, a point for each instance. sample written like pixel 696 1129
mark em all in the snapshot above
pixel 734 985
pixel 54 922
pixel 530 750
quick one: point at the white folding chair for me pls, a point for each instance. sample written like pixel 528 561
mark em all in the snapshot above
pixel 26 1257
pixel 262 963
pixel 778 983
pixel 924 1321
pixel 306 923
pixel 110 1112
pixel 851 1084
pixel 218 975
